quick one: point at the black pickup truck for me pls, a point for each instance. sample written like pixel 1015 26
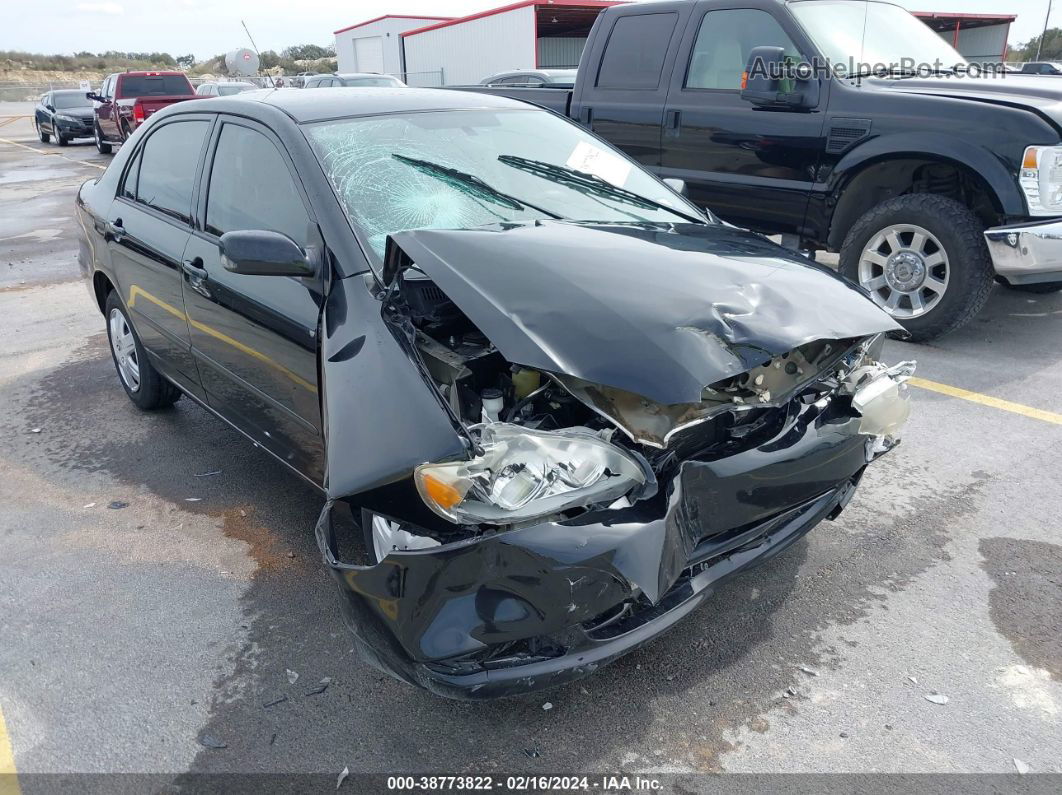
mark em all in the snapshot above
pixel 929 179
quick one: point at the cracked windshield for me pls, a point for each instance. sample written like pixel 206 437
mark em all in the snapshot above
pixel 460 169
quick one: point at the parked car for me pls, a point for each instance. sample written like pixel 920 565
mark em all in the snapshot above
pixel 554 78
pixel 64 115
pixel 1041 68
pixel 127 99
pixel 549 411
pixel 223 89
pixel 903 174
pixel 353 80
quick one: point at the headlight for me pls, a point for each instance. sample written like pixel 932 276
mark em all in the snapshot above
pixel 524 474
pixel 1041 179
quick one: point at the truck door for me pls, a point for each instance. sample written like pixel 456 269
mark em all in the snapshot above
pixel 753 167
pixel 620 94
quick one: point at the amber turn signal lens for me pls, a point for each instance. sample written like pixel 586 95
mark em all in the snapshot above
pixel 443 494
pixel 744 80
pixel 1029 161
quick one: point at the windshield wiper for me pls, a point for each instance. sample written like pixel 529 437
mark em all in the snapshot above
pixel 589 183
pixel 897 71
pixel 471 184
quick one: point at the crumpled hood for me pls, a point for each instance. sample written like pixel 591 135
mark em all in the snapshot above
pixel 658 312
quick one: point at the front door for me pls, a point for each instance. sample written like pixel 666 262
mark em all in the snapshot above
pixel 255 338
pixel 107 111
pixel 147 228
pixel 753 167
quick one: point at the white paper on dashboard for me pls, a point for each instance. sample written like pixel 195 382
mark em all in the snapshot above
pixel 599 162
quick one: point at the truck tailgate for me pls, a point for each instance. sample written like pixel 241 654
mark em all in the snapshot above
pixel 152 104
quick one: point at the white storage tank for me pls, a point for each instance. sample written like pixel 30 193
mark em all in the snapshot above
pixel 242 62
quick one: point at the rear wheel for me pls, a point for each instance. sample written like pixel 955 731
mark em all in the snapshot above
pixel 144 385
pixel 42 134
pixel 923 260
pixel 102 146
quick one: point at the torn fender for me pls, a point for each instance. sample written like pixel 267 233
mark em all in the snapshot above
pixel 660 312
pixel 381 419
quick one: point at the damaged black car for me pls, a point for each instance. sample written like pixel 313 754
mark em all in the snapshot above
pixel 551 404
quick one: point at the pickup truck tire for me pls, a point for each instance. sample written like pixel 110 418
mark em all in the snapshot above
pixel 923 259
pixel 42 134
pixel 144 385
pixel 102 146
pixel 1038 289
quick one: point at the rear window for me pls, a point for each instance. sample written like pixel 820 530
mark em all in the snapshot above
pixel 634 54
pixel 130 86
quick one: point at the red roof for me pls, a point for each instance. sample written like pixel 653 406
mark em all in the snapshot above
pixel 513 7
pixel 389 16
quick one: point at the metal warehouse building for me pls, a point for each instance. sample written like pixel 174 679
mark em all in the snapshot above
pixel 538 33
pixel 979 38
pixel 376 45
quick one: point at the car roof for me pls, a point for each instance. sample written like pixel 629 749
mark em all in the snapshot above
pixel 66 91
pixel 337 103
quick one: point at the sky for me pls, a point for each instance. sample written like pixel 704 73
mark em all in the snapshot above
pixel 206 28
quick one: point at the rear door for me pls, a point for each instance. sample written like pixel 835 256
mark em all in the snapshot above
pixel 753 167
pixel 255 338
pixel 622 88
pixel 147 229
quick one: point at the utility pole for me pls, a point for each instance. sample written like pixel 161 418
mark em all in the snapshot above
pixel 1040 44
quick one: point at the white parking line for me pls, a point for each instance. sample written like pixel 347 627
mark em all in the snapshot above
pixel 52 154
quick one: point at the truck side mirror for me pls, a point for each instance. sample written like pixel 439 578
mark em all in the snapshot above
pixel 94 96
pixel 677 185
pixel 773 80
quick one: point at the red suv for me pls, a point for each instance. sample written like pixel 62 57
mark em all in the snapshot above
pixel 128 98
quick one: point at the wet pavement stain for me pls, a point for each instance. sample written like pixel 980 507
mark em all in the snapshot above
pixel 1026 604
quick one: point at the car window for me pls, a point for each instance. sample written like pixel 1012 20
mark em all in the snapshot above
pixel 69 99
pixel 132 174
pixel 634 54
pixel 167 167
pixel 724 42
pixel 251 187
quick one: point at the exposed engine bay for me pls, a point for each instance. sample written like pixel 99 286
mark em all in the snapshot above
pixel 491 396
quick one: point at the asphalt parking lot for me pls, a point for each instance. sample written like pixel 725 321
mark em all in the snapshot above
pixel 160 587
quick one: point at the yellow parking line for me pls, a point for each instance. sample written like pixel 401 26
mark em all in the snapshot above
pixel 8 775
pixel 988 400
pixel 52 154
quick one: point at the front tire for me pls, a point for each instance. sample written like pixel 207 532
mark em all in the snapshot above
pixel 61 139
pixel 923 260
pixel 102 146
pixel 144 385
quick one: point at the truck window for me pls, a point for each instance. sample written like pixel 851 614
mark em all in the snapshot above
pixel 724 42
pixel 634 53
pixel 131 86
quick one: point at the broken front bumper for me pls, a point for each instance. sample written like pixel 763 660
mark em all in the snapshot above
pixel 537 606
pixel 1027 253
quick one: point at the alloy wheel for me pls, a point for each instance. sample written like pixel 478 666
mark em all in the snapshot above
pixel 124 346
pixel 905 268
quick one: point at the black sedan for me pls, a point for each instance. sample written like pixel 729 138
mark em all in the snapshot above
pixel 551 404
pixel 63 115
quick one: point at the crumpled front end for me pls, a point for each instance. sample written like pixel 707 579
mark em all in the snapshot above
pixel 571 517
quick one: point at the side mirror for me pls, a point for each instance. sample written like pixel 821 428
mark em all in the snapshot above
pixel 774 80
pixel 256 252
pixel 94 97
pixel 677 185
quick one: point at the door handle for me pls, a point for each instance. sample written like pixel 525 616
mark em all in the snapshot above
pixel 194 268
pixel 674 119
pixel 113 230
pixel 588 117
pixel 196 275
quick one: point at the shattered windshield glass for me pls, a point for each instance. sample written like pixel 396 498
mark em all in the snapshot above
pixel 464 168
